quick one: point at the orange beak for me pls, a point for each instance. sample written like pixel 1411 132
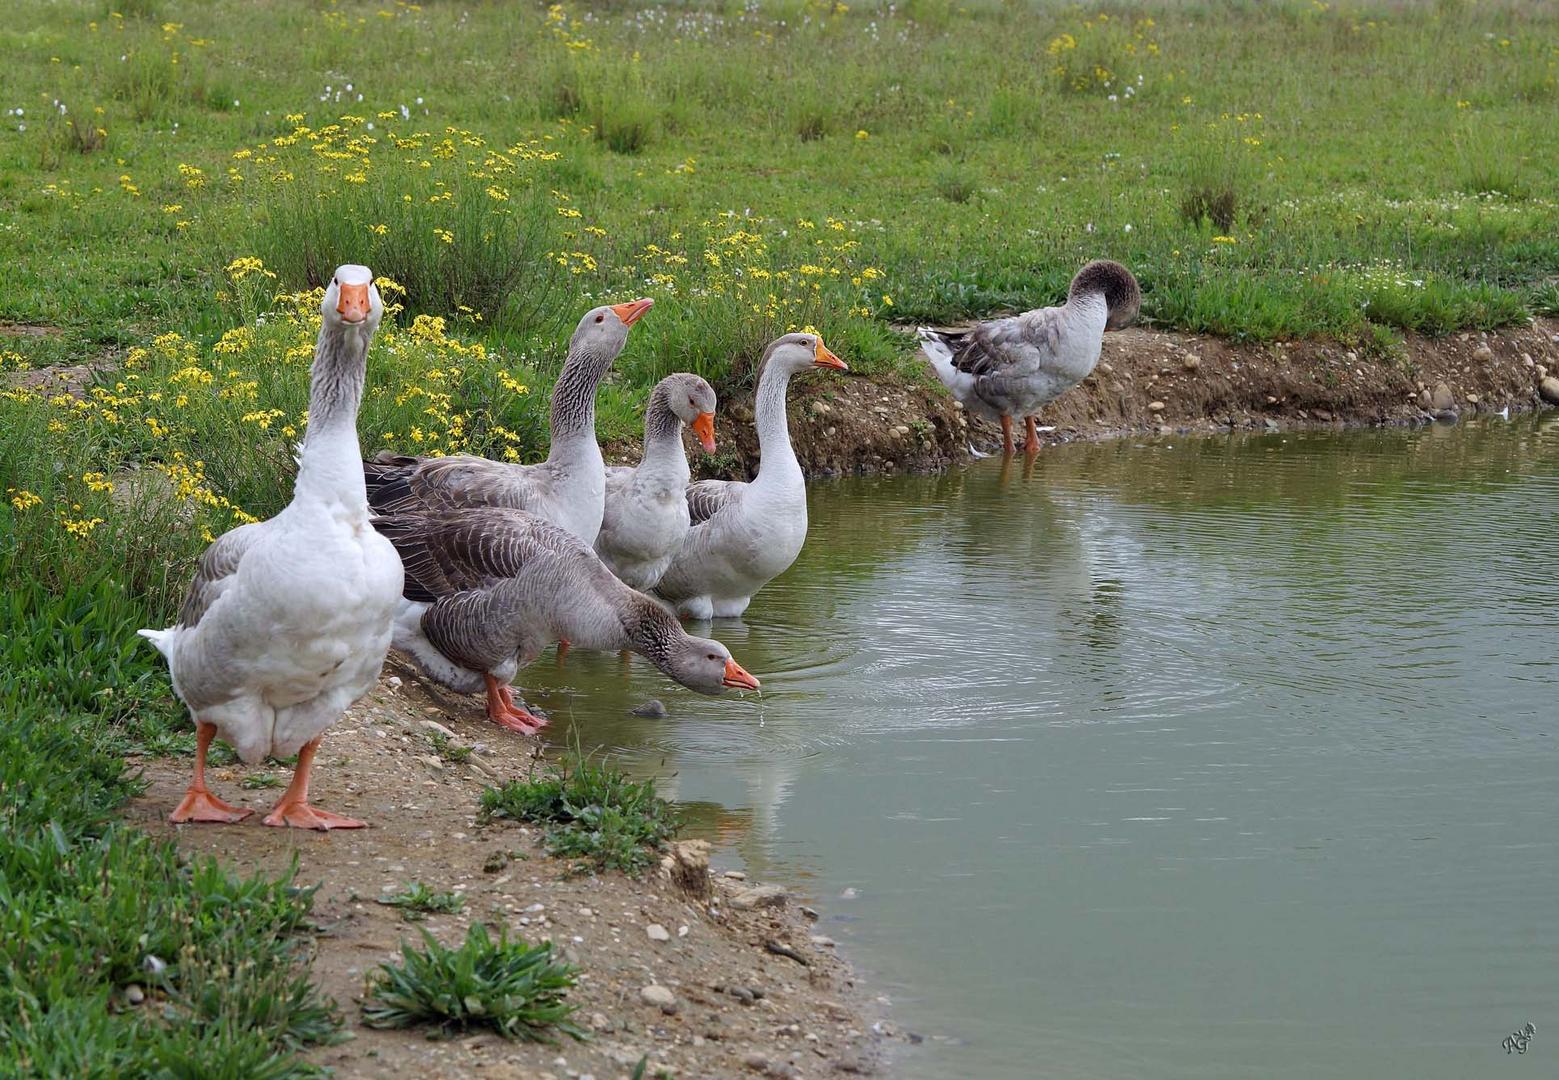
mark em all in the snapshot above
pixel 630 312
pixel 352 303
pixel 703 426
pixel 736 676
pixel 824 358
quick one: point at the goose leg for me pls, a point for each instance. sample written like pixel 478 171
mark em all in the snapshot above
pixel 563 645
pixel 1006 435
pixel 294 810
pixel 1030 437
pixel 199 804
pixel 502 710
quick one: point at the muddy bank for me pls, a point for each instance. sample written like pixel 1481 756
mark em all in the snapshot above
pixel 750 987
pixel 1157 381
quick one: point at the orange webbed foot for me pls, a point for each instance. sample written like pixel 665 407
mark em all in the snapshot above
pixel 517 719
pixel 200 805
pixel 300 815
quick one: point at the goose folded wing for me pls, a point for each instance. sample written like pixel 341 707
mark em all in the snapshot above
pixel 215 571
pixel 1007 346
pixel 464 550
pixel 707 498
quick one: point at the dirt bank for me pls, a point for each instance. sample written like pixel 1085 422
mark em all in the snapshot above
pixel 741 1009
pixel 1151 380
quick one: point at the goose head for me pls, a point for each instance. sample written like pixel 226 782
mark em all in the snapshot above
pixel 706 666
pixel 692 400
pixel 604 330
pixel 1118 286
pixel 795 353
pixel 351 299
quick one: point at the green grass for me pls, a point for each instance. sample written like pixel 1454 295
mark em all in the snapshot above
pixel 417 901
pixel 511 987
pixel 592 813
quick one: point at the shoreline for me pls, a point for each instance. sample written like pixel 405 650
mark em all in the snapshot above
pixel 751 987
pixel 1157 382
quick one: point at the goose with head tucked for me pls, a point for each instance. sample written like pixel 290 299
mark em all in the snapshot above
pixel 288 620
pixel 646 516
pixel 488 589
pixel 568 489
pixel 1005 368
pixel 746 534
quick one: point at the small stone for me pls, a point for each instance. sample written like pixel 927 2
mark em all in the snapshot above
pixel 809 912
pixel 1425 402
pixel 584 912
pixel 756 1062
pixel 901 431
pixel 1105 367
pixel 1190 361
pixel 436 728
pixel 1155 406
pixel 1473 399
pixel 599 1021
pixel 1549 388
pixel 735 875
pixel 654 709
pixel 134 994
pixel 742 994
pixel 660 997
pixel 1442 399
pixel 1483 354
pixel 393 682
pixel 1323 415
pixel 657 932
pixel 849 893
pixel 689 868
pixel 1271 400
pixel 822 941
pixel 762 896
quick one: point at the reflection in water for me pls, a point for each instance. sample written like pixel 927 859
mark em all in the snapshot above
pixel 1157 758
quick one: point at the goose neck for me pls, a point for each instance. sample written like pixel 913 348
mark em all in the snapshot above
pixel 774 446
pixel 573 398
pixel 331 458
pixel 662 433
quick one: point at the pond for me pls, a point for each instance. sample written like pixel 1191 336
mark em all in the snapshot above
pixel 1172 757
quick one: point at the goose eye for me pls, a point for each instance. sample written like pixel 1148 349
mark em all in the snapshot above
pixel 600 318
pixel 714 656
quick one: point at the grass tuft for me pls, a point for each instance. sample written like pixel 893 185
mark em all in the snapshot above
pixel 592 813
pixel 417 901
pixel 514 988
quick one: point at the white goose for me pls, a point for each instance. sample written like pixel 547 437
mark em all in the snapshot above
pixel 745 535
pixel 488 589
pixel 646 516
pixel 568 489
pixel 287 621
pixel 1011 367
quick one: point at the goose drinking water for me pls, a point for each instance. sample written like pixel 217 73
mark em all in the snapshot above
pixel 488 589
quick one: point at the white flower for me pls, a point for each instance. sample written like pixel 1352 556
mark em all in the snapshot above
pixel 1126 227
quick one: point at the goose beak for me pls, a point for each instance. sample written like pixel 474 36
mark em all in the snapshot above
pixel 630 312
pixel 736 677
pixel 824 358
pixel 352 303
pixel 704 427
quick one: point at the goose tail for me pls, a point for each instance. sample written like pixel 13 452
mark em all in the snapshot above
pixel 938 346
pixel 162 639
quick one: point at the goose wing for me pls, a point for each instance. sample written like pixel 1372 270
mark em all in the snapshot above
pixel 215 571
pixel 1012 346
pixel 397 483
pixel 707 498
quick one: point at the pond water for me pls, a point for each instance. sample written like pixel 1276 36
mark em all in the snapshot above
pixel 1181 757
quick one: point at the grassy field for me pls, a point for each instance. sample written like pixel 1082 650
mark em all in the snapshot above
pixel 176 177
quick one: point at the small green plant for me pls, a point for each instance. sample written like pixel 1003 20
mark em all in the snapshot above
pixel 514 988
pixel 417 901
pixel 955 185
pixel 448 749
pixel 593 813
pixel 255 781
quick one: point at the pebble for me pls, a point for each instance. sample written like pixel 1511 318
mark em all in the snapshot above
pixel 134 994
pixel 849 893
pixel 1442 398
pixel 756 1062
pixel 658 996
pixel 822 941
pixel 735 875
pixel 657 932
pixel 1191 361
pixel 1483 354
pixel 762 896
pixel 1155 406
pixel 1549 388
pixel 654 709
pixel 393 682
